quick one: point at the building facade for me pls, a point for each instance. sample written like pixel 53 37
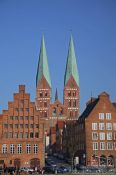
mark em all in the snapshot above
pixel 93 135
pixel 29 129
pixel 21 133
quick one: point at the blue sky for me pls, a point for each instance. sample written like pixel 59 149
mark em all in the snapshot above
pixel 93 26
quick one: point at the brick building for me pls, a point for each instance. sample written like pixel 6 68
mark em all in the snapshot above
pixel 21 133
pixel 28 129
pixel 93 135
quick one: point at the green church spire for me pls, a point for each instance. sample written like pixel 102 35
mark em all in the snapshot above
pixel 43 69
pixel 71 66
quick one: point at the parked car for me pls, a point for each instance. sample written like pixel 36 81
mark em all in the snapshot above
pixel 26 169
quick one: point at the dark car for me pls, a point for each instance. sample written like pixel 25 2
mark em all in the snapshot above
pixel 48 169
pixel 62 169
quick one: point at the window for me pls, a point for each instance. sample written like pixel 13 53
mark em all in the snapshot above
pixel 101 126
pixel 4 148
pixel 74 103
pixel 31 117
pixel 74 93
pixel 109 146
pixel 109 136
pixel 19 148
pixel 54 111
pixel 28 148
pixel 21 125
pixel 26 135
pixel 11 126
pixel 16 109
pixel 45 114
pixel 26 117
pixel 31 126
pixel 16 117
pixel 21 135
pixel 45 104
pixel 16 125
pixel 69 103
pixel 69 93
pixel 95 146
pixel 108 116
pixel 35 148
pixel 102 146
pixel 102 136
pixel 114 126
pixel 16 135
pixel 11 117
pixel 12 149
pixel 41 95
pixel 114 145
pixel 21 117
pixel 94 126
pixel 26 125
pixel 21 109
pixel 5 125
pixel 101 116
pixel 5 135
pixel 46 94
pixel 94 136
pixel 36 135
pixel 31 135
pixel 27 109
pixel 10 135
pixel 114 136
pixel 108 126
pixel 37 125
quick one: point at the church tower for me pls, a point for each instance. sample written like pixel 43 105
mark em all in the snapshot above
pixel 43 83
pixel 71 84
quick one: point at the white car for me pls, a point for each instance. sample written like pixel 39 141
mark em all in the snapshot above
pixel 26 169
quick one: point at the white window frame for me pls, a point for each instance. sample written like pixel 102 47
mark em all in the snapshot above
pixel 101 126
pixel 101 116
pixel 28 148
pixel 108 126
pixel 102 135
pixel 35 148
pixel 4 148
pixel 95 145
pixel 94 126
pixel 94 136
pixel 19 148
pixel 102 146
pixel 109 135
pixel 108 116
pixel 111 144
pixel 12 149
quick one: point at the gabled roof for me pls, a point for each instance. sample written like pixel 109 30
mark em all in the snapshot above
pixel 43 69
pixel 71 66
pixel 89 108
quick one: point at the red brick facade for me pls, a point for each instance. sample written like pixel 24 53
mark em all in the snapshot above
pixel 93 135
pixel 21 133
